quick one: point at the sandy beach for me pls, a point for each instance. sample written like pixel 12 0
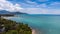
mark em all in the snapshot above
pixel 35 31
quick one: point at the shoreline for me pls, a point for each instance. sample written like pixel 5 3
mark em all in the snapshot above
pixel 33 31
pixel 36 31
pixel 10 26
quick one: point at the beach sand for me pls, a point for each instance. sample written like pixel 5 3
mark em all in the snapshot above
pixel 33 31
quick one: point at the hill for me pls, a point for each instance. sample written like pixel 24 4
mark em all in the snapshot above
pixel 12 27
pixel 8 12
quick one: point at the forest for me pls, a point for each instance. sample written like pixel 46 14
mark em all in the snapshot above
pixel 13 27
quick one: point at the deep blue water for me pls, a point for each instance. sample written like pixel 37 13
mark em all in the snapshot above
pixel 43 23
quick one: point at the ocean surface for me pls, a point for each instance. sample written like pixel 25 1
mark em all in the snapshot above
pixel 44 24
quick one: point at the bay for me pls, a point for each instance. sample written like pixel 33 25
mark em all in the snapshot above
pixel 44 24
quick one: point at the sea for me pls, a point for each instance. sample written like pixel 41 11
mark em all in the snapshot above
pixel 42 24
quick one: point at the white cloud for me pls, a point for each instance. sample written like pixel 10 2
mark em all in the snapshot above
pixel 42 5
pixel 6 5
pixel 34 4
pixel 54 5
pixel 34 10
pixel 42 8
pixel 43 0
pixel 30 2
pixel 40 11
pixel 54 11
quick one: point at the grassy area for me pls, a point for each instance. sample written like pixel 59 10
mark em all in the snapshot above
pixel 12 27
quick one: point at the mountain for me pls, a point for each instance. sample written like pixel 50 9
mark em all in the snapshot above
pixel 17 13
pixel 4 12
pixel 7 12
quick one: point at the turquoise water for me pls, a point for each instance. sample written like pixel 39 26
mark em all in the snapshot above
pixel 43 23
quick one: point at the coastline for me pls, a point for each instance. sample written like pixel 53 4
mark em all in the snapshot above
pixel 7 17
pixel 34 31
pixel 12 26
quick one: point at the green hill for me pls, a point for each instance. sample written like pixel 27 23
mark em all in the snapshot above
pixel 12 27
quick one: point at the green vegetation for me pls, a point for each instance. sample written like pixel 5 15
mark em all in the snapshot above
pixel 12 27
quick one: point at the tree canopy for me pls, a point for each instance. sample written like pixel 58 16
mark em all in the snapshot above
pixel 12 27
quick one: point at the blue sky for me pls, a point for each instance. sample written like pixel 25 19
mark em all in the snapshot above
pixel 36 3
pixel 32 6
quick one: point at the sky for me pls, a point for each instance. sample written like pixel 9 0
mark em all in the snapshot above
pixel 31 6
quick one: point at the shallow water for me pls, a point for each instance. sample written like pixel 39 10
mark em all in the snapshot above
pixel 44 24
